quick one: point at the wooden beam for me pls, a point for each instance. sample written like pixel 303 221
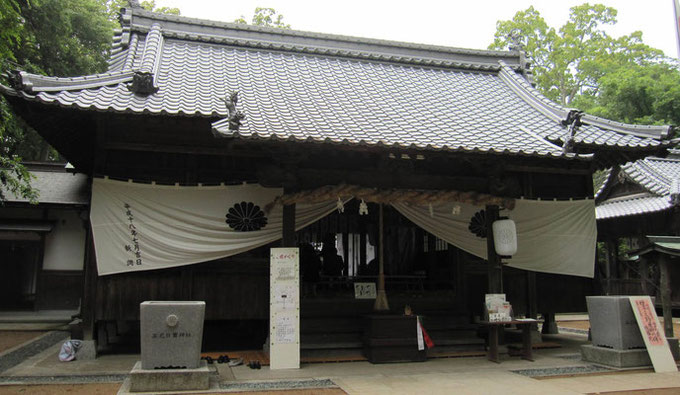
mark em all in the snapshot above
pixel 495 268
pixel 665 290
pixel 288 239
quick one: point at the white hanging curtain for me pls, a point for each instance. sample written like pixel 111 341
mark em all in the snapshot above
pixel 552 236
pixel 143 227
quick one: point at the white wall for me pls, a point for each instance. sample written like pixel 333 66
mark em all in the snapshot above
pixel 65 244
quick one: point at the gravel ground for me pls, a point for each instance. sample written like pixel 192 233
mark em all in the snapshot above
pixel 561 371
pixel 17 356
pixel 9 339
pixel 276 385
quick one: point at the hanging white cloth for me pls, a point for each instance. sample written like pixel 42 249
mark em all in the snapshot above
pixel 552 236
pixel 145 226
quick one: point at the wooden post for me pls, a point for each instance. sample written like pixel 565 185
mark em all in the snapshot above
pixel 288 226
pixel 665 285
pixel 495 269
pixel 89 303
pixel 532 299
pixel 644 276
pixel 381 298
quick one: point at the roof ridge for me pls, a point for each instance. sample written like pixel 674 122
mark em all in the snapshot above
pixel 302 33
pixel 329 44
pixel 558 113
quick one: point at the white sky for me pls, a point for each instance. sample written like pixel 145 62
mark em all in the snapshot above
pixel 455 23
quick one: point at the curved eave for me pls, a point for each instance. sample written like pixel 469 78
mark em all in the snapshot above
pixel 33 83
pixel 424 148
pixel 633 207
pixel 96 107
pixel 558 113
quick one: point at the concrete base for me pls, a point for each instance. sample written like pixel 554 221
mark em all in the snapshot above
pixel 616 358
pixel 87 350
pixel 155 380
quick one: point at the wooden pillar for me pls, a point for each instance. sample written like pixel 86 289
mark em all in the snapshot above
pixel 644 275
pixel 461 289
pixel 495 269
pixel 288 226
pixel 89 302
pixel 381 298
pixel 665 290
pixel 532 299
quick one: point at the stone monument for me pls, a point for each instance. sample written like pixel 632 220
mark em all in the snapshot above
pixel 171 334
pixel 616 338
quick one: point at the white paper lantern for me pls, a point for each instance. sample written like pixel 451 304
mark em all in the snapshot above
pixel 505 237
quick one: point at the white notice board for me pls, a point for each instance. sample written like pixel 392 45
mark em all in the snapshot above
pixel 653 335
pixel 284 308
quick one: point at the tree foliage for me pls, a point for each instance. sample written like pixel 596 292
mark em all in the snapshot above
pixel 265 17
pixel 571 61
pixel 50 37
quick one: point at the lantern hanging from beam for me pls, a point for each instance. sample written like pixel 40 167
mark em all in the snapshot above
pixel 505 237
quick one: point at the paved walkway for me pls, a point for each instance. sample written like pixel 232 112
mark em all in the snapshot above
pixel 555 371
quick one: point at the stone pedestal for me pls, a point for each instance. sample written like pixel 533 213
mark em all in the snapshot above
pixel 171 334
pixel 616 358
pixel 613 324
pixel 87 350
pixel 157 380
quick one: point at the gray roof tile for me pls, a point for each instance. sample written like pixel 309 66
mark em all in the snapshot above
pixel 57 187
pixel 660 177
pixel 311 87
pixel 632 206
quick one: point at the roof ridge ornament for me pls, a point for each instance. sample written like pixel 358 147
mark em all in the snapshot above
pixel 234 116
pixel 573 121
pixel 143 83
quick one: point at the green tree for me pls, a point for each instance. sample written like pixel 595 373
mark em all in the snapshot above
pixel 647 94
pixel 265 17
pixel 570 61
pixel 113 8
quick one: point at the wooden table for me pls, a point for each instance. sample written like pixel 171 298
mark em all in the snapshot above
pixel 493 327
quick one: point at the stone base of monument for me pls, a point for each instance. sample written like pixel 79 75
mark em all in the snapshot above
pixel 87 350
pixel 160 380
pixel 616 358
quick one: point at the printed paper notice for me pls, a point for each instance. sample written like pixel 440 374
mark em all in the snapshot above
pixel 285 297
pixel 285 330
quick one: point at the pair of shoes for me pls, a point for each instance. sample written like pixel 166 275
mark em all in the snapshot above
pixel 223 359
pixel 235 362
pixel 209 360
pixel 254 365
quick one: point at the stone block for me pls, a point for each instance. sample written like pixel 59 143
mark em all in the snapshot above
pixel 87 350
pixel 171 334
pixel 156 380
pixel 612 323
pixel 615 358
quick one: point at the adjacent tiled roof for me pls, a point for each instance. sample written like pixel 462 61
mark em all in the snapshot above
pixel 56 187
pixel 316 87
pixel 659 177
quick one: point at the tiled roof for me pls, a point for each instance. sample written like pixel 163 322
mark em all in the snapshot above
pixel 56 187
pixel 659 177
pixel 316 87
pixel 634 205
